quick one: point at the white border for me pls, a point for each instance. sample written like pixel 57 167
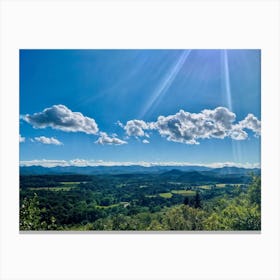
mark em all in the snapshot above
pixel 155 24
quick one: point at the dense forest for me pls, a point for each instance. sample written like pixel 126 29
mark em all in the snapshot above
pixel 172 200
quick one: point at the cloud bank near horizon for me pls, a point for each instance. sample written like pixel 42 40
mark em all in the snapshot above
pixel 84 163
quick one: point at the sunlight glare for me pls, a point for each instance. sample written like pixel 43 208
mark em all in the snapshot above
pixel 235 145
pixel 165 83
pixel 227 80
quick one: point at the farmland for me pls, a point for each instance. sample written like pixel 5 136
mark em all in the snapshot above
pixel 135 201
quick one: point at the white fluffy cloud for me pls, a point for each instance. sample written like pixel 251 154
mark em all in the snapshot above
pixel 136 128
pixel 251 122
pixel 105 139
pixel 237 133
pixel 61 118
pixel 21 139
pixel 145 141
pixel 48 141
pixel 83 162
pixel 188 128
pixel 185 127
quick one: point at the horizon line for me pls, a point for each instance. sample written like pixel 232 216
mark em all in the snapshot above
pixel 100 163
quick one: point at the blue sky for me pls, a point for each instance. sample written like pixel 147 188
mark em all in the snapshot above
pixel 104 106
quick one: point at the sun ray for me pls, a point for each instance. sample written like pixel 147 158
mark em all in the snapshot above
pixel 227 79
pixel 235 145
pixel 165 83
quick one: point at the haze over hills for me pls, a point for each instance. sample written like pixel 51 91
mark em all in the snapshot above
pixel 164 170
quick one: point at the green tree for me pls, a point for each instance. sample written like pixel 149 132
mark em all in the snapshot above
pixel 30 214
pixel 241 213
pixel 234 217
pixel 254 191
pixel 183 217
pixel 197 200
pixel 155 225
pixel 186 200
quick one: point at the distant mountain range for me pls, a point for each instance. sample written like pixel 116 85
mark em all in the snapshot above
pixel 164 170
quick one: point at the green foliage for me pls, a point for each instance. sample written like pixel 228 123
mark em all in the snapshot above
pixel 101 204
pixel 30 216
pixel 254 191
pixel 241 213
pixel 234 217
pixel 197 200
pixel 183 217
pixel 194 201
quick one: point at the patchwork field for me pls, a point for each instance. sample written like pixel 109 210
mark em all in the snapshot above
pixel 184 192
pixel 205 187
pixel 55 189
pixel 166 195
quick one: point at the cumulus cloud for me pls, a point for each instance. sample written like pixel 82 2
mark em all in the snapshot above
pixel 252 123
pixel 136 128
pixel 185 127
pixel 145 141
pixel 48 141
pixel 21 139
pixel 188 128
pixel 105 139
pixel 61 118
pixel 221 116
pixel 237 133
